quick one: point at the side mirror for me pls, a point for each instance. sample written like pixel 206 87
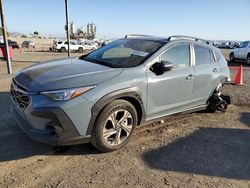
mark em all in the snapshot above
pixel 160 68
pixel 168 66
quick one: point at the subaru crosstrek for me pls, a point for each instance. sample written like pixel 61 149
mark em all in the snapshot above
pixel 101 97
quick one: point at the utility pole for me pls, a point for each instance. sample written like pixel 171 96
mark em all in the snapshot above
pixel 6 45
pixel 67 26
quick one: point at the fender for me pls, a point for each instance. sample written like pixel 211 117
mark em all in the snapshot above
pixel 127 93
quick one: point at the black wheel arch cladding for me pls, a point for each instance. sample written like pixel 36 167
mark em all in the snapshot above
pixel 131 95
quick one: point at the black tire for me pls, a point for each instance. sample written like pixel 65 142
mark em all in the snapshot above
pixel 231 57
pixel 248 59
pixel 80 50
pixel 103 121
pixel 63 49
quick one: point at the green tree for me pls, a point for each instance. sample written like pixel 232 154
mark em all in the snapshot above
pixel 36 33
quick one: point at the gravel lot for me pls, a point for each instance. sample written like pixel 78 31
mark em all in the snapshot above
pixel 193 150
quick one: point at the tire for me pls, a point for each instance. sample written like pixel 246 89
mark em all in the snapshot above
pixel 63 49
pixel 80 50
pixel 248 59
pixel 117 134
pixel 231 57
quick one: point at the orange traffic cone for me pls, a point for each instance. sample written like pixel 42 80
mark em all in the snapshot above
pixel 239 77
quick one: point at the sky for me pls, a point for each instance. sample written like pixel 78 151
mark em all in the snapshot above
pixel 211 19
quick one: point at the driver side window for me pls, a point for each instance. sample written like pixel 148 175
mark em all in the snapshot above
pixel 179 55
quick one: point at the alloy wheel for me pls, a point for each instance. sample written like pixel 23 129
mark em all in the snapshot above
pixel 118 127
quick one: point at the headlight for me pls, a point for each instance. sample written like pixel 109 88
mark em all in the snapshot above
pixel 66 94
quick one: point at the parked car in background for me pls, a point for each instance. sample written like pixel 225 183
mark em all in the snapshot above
pixel 28 44
pixel 13 44
pixel 241 53
pixel 216 44
pixel 1 40
pixel 90 45
pixel 62 46
pixel 101 97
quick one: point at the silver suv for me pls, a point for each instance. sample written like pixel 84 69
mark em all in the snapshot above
pixel 241 53
pixel 101 97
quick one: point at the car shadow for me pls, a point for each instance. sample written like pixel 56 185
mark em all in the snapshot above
pixel 237 64
pixel 214 152
pixel 14 144
pixel 245 118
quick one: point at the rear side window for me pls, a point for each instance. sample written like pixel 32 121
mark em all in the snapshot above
pixel 217 56
pixel 213 60
pixel 202 55
pixel 179 55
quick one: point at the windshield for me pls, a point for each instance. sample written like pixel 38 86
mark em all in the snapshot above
pixel 243 45
pixel 124 52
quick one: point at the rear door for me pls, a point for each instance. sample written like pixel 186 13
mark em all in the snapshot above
pixel 206 72
pixel 73 46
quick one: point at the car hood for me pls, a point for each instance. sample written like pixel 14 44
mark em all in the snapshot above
pixel 62 74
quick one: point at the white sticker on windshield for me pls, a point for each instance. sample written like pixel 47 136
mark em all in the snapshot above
pixel 139 53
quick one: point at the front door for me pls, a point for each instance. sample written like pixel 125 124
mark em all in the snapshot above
pixel 170 92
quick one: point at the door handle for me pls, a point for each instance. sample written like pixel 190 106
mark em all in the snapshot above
pixel 215 70
pixel 190 77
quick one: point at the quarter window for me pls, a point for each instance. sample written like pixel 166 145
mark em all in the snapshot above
pixel 213 60
pixel 202 55
pixel 179 55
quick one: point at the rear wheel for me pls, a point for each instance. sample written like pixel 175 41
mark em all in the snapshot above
pixel 231 57
pixel 80 50
pixel 63 49
pixel 248 59
pixel 114 126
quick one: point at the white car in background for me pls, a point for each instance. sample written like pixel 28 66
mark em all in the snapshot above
pixel 62 46
pixel 241 53
pixel 88 45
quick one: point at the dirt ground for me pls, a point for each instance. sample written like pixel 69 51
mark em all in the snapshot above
pixel 193 150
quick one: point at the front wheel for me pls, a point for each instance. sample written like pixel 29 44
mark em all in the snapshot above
pixel 114 126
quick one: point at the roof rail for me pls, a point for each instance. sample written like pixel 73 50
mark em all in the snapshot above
pixel 136 35
pixel 187 37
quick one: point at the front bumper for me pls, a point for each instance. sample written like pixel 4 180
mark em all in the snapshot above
pixel 57 128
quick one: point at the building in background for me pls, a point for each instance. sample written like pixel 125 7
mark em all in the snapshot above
pixel 90 33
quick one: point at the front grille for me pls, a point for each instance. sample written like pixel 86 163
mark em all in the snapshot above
pixel 19 96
